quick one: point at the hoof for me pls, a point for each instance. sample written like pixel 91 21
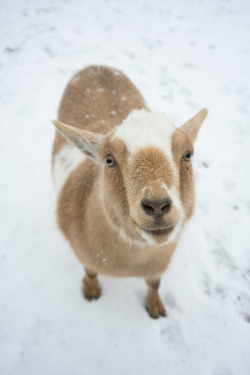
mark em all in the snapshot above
pixel 155 308
pixel 91 290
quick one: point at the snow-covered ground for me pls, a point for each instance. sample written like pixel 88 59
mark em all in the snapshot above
pixel 182 55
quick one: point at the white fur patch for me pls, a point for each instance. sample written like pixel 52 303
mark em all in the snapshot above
pixel 65 161
pixel 176 231
pixel 142 128
pixel 148 238
pixel 129 241
pixel 173 194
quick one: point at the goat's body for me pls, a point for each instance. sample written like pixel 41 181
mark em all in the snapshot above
pixel 97 99
pixel 123 180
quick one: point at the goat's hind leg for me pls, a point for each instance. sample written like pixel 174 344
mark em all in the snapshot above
pixel 91 287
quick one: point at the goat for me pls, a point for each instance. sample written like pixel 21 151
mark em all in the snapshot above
pixel 123 178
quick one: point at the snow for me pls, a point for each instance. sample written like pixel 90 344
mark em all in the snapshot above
pixel 182 55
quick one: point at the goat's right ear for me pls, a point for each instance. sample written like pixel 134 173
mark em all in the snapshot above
pixel 88 142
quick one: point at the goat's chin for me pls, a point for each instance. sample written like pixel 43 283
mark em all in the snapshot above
pixel 157 235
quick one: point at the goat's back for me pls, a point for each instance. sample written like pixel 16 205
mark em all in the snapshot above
pixel 96 99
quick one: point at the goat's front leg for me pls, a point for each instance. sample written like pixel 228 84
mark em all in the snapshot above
pixel 91 287
pixel 154 304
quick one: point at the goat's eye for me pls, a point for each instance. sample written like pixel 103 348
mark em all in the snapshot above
pixel 187 156
pixel 110 161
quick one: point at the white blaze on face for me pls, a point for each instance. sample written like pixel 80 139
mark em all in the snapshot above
pixel 142 129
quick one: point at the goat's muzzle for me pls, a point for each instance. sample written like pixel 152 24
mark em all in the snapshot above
pixel 156 208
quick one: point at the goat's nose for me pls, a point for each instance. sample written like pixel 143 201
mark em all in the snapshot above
pixel 156 207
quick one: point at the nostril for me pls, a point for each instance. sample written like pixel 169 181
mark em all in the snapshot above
pixel 156 207
pixel 147 207
pixel 165 208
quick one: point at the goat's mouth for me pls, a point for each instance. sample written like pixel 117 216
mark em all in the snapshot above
pixel 159 231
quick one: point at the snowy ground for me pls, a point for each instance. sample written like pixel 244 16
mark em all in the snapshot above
pixel 182 55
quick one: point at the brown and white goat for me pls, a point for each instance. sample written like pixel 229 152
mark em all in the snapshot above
pixel 123 178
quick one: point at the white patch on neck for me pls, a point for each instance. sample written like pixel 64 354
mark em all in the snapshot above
pixel 129 241
pixel 148 237
pixel 67 159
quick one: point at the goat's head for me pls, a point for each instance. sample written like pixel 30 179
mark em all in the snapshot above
pixel 147 180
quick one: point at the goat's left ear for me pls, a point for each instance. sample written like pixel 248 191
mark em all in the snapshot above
pixel 192 126
pixel 88 142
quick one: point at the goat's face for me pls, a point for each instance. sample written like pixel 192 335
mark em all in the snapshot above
pixel 147 178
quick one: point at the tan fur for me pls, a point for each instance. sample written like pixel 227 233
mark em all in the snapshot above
pixel 180 142
pixel 150 169
pixel 97 98
pixel 98 208
pixel 91 287
pixel 153 302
